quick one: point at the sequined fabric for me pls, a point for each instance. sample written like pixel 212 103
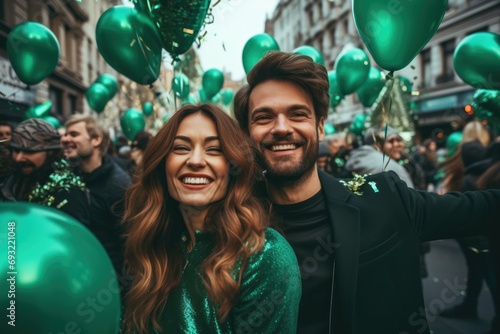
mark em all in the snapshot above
pixel 269 295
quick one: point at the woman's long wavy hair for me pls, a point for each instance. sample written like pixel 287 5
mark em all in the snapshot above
pixel 153 248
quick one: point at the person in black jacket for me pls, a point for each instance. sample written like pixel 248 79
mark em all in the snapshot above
pixel 358 241
pixel 85 145
pixel 40 175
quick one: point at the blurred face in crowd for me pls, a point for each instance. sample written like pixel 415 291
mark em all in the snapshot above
pixel 394 146
pixel 28 162
pixel 5 132
pixel 283 125
pixel 197 170
pixel 322 161
pixel 76 142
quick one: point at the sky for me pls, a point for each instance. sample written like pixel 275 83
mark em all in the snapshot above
pixel 235 21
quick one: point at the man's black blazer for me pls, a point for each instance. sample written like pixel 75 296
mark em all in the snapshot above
pixel 377 236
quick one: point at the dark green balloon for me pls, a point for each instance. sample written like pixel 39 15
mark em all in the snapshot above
pixel 312 52
pixel 179 21
pixel 132 122
pixel 256 48
pixel 212 82
pixel 180 85
pixel 395 31
pixel 109 82
pixel 39 111
pixel 203 95
pixel 227 96
pixel 33 51
pixel 329 129
pixel 147 109
pixel 358 124
pixel 129 42
pixel 52 121
pixel 477 60
pixel 370 89
pixel 405 84
pixel 97 96
pixel 64 279
pixel 453 141
pixel 352 68
pixel 191 99
pixel 335 95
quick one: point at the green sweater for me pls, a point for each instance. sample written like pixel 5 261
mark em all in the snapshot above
pixel 269 295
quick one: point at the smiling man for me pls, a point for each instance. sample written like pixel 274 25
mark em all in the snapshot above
pixel 85 144
pixel 357 242
pixel 37 155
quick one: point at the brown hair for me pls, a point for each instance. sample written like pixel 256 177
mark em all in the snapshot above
pixel 285 66
pixel 94 129
pixel 153 249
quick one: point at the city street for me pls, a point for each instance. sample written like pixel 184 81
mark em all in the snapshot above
pixel 447 270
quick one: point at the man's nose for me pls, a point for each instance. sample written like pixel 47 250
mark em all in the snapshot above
pixel 281 126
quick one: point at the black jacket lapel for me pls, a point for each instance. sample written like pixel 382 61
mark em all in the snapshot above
pixel 345 220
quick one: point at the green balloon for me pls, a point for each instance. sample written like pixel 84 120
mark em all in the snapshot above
pixel 477 60
pixel 353 67
pixel 335 95
pixel 147 109
pixel 396 31
pixel 212 82
pixel 63 278
pixel 370 89
pixel 227 96
pixel 256 48
pixel 179 21
pixel 132 122
pixel 405 84
pixel 39 111
pixel 129 42
pixel 453 141
pixel 97 96
pixel 329 129
pixel 52 121
pixel 33 51
pixel 203 95
pixel 486 105
pixel 358 124
pixel 109 82
pixel 191 99
pixel 312 52
pixel 180 85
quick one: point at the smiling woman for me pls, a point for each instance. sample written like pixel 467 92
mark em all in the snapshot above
pixel 197 244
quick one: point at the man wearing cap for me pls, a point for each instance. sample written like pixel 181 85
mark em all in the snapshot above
pixel 41 176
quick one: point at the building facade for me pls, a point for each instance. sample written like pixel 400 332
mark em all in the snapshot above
pixel 79 63
pixel 440 96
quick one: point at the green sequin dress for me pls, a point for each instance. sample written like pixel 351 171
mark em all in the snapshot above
pixel 269 294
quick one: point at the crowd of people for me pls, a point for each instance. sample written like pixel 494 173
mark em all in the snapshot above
pixel 264 224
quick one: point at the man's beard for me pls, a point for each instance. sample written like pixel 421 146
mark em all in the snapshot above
pixel 79 158
pixel 291 173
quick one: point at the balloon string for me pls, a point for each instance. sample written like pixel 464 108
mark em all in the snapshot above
pixel 386 115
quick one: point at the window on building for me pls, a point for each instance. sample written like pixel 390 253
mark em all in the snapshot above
pixel 332 36
pixel 55 95
pixel 448 71
pixel 73 104
pixel 320 10
pixel 426 67
pixel 52 21
pixel 69 47
pixel 346 26
pixel 310 16
pixel 2 10
pixel 483 29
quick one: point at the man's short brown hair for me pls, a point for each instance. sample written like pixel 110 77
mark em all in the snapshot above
pixel 94 129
